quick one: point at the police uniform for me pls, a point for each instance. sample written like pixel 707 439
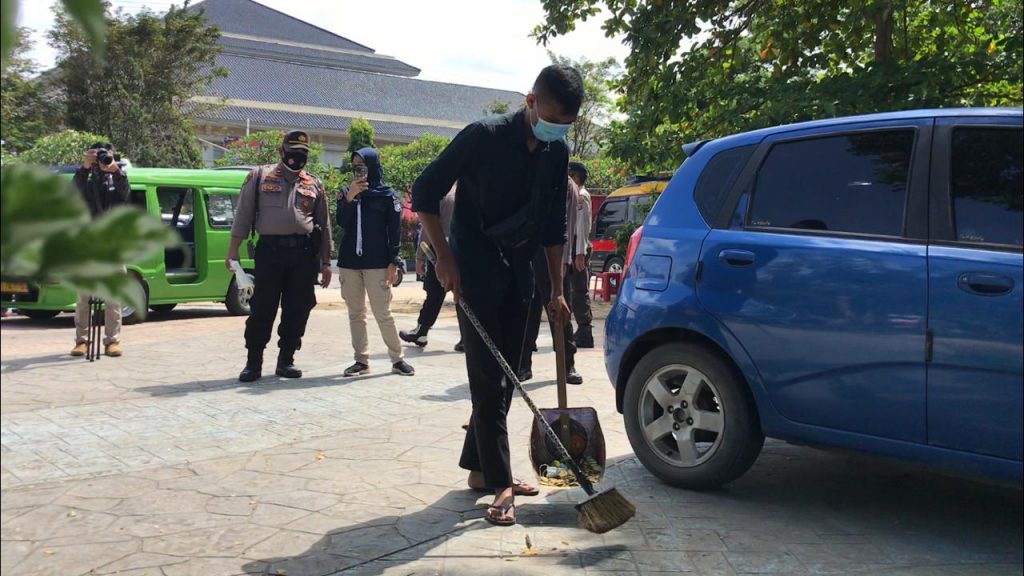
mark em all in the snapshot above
pixel 288 210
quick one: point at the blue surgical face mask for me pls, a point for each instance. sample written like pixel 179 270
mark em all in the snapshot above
pixel 549 131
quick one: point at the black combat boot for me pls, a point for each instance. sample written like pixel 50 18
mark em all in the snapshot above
pixel 286 365
pixel 417 336
pixel 253 366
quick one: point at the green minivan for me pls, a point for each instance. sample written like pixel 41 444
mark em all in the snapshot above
pixel 200 206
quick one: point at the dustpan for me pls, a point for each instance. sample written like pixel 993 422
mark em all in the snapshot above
pixel 578 429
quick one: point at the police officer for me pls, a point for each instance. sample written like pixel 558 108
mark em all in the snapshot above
pixel 287 208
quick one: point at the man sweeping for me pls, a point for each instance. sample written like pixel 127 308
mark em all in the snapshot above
pixel 511 172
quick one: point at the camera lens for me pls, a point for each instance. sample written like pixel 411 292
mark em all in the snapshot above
pixel 103 157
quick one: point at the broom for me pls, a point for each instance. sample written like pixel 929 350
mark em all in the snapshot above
pixel 601 511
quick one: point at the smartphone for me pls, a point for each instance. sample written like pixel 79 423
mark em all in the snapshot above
pixel 360 172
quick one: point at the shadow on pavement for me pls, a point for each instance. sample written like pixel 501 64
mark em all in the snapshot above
pixel 417 543
pixel 34 362
pixel 461 392
pixel 895 515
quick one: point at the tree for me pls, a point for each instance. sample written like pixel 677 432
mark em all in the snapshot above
pixel 45 229
pixel 598 79
pixel 360 135
pixel 497 107
pixel 706 69
pixel 139 92
pixel 25 112
pixel 403 163
pixel 61 149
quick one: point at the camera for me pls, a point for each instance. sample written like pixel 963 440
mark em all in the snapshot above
pixel 104 157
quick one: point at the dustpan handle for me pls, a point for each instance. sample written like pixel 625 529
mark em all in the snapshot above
pixel 510 375
pixel 558 336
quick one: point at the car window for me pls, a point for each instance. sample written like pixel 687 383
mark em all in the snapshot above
pixel 612 213
pixel 717 178
pixel 221 209
pixel 855 183
pixel 985 184
pixel 175 206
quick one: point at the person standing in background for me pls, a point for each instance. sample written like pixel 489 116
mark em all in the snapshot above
pixel 579 273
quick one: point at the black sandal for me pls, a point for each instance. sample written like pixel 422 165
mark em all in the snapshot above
pixel 502 512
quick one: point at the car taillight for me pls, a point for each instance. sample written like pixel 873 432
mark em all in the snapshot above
pixel 634 241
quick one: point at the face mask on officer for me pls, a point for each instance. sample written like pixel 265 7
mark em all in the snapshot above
pixel 294 160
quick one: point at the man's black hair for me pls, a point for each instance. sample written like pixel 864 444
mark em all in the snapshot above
pixel 579 169
pixel 563 83
pixel 98 145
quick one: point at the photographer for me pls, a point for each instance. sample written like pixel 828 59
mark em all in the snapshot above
pixel 103 185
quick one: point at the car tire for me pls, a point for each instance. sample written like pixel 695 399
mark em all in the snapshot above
pixel 710 436
pixel 162 308
pixel 39 315
pixel 129 315
pixel 236 303
pixel 614 264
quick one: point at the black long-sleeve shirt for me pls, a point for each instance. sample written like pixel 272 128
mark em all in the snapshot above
pixel 496 174
pixel 96 189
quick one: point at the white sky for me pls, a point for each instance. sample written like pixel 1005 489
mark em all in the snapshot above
pixel 475 42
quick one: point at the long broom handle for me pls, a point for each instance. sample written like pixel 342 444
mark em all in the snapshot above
pixel 511 375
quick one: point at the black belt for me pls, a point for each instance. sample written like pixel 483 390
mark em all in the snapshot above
pixel 286 240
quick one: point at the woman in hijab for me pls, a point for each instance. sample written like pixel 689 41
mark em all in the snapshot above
pixel 369 213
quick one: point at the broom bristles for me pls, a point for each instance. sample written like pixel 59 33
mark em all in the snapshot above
pixel 604 511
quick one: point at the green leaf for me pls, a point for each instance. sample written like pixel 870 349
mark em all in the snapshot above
pixel 100 249
pixel 90 15
pixel 34 204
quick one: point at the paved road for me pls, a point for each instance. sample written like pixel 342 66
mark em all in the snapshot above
pixel 161 463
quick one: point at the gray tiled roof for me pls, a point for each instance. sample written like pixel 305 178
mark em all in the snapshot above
pixel 366 61
pixel 248 17
pixel 307 85
pixel 273 119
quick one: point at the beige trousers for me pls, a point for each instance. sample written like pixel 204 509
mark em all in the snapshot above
pixel 356 285
pixel 111 321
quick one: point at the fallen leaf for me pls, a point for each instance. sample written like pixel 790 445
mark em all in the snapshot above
pixel 320 456
pixel 72 514
pixel 511 558
pixel 48 552
pixel 566 542
pixel 529 552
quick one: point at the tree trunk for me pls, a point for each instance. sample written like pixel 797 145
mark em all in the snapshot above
pixel 883 35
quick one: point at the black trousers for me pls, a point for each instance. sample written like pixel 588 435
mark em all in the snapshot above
pixel 435 299
pixel 486 447
pixel 284 277
pixel 580 302
pixel 541 297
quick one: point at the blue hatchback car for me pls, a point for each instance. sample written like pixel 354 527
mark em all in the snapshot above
pixel 853 282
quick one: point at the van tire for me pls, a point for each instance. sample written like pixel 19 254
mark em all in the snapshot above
pixel 39 315
pixel 720 389
pixel 234 302
pixel 130 316
pixel 615 264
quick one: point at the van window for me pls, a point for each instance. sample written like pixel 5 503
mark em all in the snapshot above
pixel 221 209
pixel 854 183
pixel 717 179
pixel 985 184
pixel 175 206
pixel 612 215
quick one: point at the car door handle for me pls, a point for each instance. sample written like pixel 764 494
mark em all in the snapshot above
pixel 984 283
pixel 737 257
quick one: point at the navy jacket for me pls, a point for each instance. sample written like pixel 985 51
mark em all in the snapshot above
pixel 376 215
